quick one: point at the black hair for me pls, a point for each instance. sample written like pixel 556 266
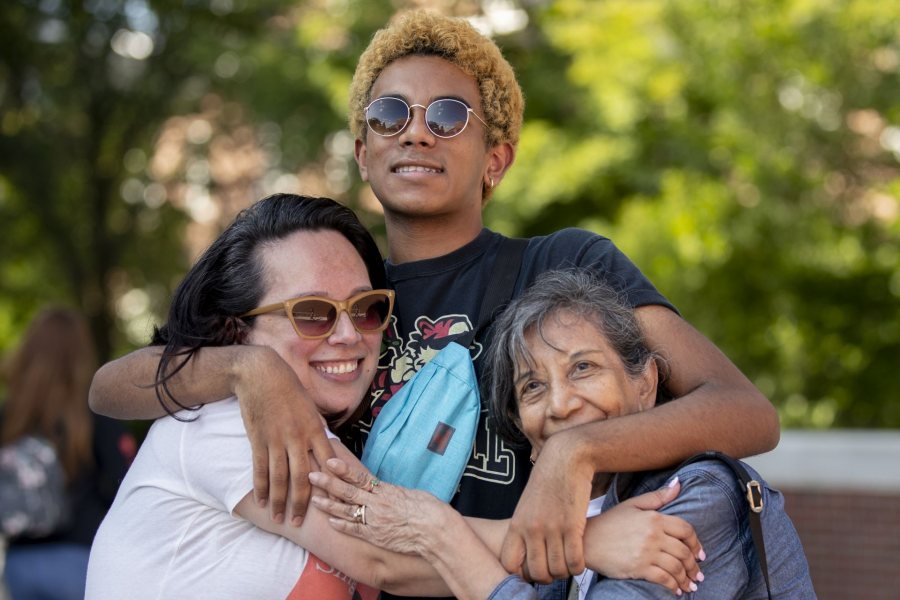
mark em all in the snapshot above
pixel 227 280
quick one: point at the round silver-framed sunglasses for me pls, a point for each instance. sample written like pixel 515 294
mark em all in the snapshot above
pixel 445 117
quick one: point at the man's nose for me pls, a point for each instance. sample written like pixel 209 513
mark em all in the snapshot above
pixel 416 131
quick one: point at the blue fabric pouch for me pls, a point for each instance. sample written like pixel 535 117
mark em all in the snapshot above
pixel 423 436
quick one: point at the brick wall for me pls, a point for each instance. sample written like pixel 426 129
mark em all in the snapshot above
pixel 852 542
pixel 842 491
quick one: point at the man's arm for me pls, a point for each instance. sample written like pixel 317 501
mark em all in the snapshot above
pixel 632 540
pixel 282 423
pixel 123 388
pixel 716 408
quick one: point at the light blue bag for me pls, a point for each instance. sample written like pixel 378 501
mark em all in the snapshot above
pixel 423 436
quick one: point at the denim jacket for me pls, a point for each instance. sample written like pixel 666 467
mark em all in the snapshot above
pixel 711 501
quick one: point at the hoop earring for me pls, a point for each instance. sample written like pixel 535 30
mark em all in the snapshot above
pixel 491 183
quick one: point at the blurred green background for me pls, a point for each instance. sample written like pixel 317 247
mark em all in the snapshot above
pixel 745 154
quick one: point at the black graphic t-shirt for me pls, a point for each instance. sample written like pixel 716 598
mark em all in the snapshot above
pixel 439 299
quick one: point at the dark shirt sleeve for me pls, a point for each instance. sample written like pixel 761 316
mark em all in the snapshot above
pixel 578 248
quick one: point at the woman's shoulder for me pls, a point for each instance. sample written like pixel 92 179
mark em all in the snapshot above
pixel 714 471
pixel 212 414
pixel 205 432
pixel 707 486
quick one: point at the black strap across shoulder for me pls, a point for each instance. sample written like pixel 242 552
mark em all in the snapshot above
pixel 753 492
pixel 500 285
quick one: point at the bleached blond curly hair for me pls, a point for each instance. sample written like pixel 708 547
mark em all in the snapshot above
pixel 424 33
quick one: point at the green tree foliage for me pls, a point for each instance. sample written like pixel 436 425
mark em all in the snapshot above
pixel 745 155
pixel 86 86
pixel 126 123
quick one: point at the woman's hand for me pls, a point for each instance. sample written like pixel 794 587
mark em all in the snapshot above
pixel 396 519
pixel 283 426
pixel 409 522
pixel 634 541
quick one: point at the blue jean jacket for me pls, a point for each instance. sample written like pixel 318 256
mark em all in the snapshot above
pixel 711 501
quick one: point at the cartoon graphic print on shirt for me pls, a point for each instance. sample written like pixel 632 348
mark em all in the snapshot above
pixel 400 359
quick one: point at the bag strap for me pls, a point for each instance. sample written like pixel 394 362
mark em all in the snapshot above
pixel 753 493
pixel 500 285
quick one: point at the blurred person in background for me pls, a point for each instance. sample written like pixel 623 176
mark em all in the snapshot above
pixel 46 412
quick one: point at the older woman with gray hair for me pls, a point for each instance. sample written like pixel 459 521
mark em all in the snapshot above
pixel 566 353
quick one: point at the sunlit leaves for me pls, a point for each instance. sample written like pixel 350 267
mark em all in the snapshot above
pixel 742 155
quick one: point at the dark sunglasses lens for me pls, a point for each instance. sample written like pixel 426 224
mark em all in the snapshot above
pixel 313 317
pixel 371 312
pixel 447 118
pixel 387 116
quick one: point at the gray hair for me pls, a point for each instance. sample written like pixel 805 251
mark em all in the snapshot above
pixel 575 291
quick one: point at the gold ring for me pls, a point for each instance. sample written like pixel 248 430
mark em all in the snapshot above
pixel 360 515
pixel 373 483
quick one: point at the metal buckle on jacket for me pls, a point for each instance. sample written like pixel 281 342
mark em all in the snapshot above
pixel 754 496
